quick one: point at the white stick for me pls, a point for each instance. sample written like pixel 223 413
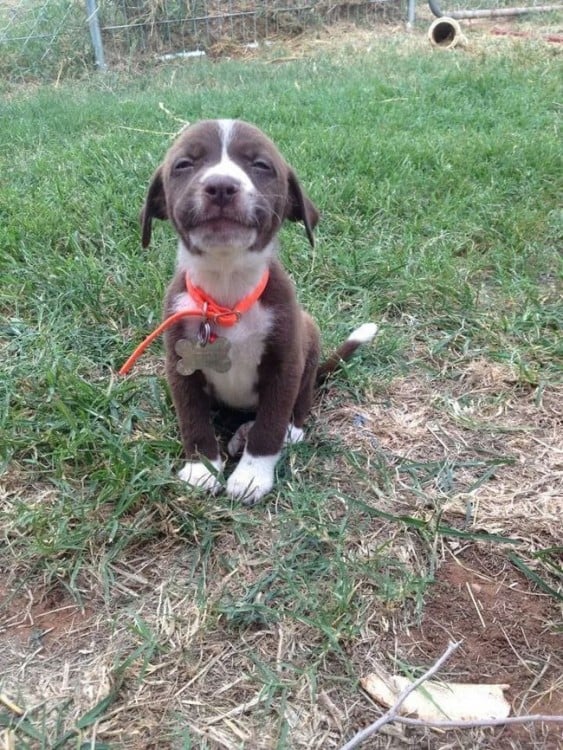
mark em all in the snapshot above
pixel 546 719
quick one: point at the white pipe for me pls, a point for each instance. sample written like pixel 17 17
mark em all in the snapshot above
pixel 446 33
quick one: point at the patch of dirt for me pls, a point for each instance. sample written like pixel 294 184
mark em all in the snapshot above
pixel 46 642
pixel 509 636
pixel 43 621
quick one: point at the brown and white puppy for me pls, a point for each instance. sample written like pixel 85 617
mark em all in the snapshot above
pixel 226 190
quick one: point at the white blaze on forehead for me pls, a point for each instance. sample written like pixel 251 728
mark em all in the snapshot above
pixel 226 127
pixel 226 167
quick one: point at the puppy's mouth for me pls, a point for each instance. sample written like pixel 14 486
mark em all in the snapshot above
pixel 222 231
pixel 210 226
pixel 224 223
pixel 217 220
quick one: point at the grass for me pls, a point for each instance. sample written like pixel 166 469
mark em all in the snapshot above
pixel 438 178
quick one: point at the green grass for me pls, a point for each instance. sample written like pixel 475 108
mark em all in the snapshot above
pixel 438 177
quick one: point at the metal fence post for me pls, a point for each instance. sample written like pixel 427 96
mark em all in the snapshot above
pixel 411 14
pixel 95 34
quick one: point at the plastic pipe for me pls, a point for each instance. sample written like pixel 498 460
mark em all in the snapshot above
pixel 492 12
pixel 445 32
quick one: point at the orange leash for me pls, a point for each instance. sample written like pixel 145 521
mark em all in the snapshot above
pixel 210 312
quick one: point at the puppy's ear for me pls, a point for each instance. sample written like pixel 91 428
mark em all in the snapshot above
pixel 154 208
pixel 300 208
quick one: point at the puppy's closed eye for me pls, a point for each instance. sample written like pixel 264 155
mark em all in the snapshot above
pixel 183 164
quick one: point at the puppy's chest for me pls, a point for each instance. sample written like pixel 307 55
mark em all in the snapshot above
pixel 233 383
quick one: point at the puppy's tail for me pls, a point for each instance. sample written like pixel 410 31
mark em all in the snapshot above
pixel 362 335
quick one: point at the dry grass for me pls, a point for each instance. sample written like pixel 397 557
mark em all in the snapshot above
pixel 161 641
pixel 480 416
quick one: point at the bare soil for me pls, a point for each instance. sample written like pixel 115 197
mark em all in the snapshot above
pixel 509 636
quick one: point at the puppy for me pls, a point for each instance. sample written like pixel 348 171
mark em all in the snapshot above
pixel 234 332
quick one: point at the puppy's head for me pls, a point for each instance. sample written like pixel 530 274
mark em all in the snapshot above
pixel 224 185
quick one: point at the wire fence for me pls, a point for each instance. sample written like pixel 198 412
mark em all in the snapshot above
pixel 47 39
pixel 171 25
pixel 40 38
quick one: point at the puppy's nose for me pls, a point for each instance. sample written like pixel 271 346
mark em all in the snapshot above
pixel 221 190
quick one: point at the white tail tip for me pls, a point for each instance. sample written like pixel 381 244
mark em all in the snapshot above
pixel 364 333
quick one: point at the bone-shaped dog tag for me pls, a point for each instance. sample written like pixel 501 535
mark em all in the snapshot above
pixel 195 356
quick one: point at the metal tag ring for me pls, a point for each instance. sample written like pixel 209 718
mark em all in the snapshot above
pixel 204 333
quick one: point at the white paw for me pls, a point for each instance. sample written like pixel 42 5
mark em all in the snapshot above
pixel 293 435
pixel 253 478
pixel 196 474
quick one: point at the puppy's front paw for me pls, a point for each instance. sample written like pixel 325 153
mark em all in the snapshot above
pixel 196 474
pixel 252 479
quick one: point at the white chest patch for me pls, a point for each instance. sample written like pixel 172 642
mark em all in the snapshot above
pixel 236 387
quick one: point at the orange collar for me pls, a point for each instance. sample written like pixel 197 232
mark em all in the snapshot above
pixel 209 312
pixel 212 312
